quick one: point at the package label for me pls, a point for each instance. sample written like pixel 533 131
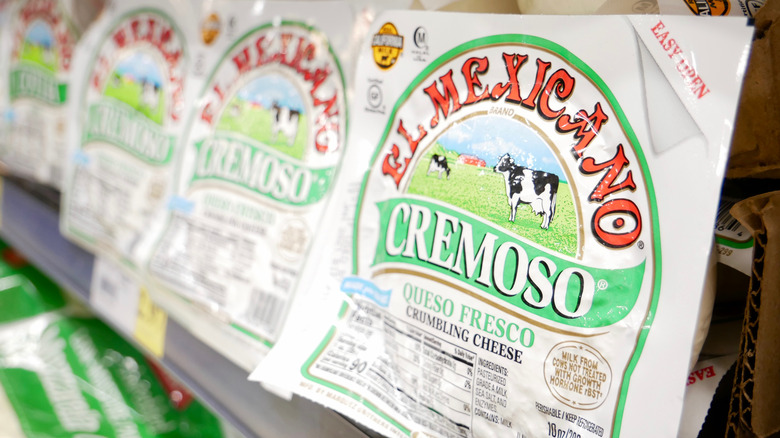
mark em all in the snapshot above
pixel 42 44
pixel 261 153
pixel 505 252
pixel 132 112
pixel 733 241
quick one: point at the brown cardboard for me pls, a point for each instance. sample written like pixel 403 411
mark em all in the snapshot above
pixel 754 151
pixel 756 394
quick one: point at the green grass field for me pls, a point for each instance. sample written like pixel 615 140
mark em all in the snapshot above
pixel 256 123
pixel 33 53
pixel 481 191
pixel 130 93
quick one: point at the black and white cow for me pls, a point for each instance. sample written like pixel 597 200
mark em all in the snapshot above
pixel 439 165
pixel 150 95
pixel 535 187
pixel 285 120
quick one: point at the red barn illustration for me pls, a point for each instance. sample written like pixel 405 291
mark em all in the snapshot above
pixel 471 159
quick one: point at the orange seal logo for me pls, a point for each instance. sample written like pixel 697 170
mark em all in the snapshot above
pixel 387 46
pixel 210 28
pixel 709 7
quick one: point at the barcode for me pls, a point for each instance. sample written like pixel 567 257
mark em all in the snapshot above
pixel 267 310
pixel 725 220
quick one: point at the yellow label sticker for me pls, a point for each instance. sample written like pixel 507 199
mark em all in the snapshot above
pixel 387 46
pixel 151 324
pixel 209 29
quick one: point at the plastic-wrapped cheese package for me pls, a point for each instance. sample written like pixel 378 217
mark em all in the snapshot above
pixel 68 376
pixel 128 110
pixel 517 245
pixel 264 144
pixel 74 377
pixel 700 389
pixel 4 55
pixel 42 36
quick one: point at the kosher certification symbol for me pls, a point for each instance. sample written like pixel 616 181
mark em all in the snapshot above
pixel 421 38
pixel 374 96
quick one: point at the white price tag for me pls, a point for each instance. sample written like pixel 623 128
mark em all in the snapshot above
pixel 114 294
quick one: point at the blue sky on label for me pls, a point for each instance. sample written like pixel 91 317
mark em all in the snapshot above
pixel 266 90
pixel 39 34
pixel 141 67
pixel 490 137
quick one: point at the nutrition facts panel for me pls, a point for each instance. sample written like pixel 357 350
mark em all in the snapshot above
pixel 422 377
pixel 449 372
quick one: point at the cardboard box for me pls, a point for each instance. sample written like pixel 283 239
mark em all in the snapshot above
pixel 755 397
pixel 754 151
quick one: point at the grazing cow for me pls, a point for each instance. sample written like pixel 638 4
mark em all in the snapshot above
pixel 235 110
pixel 150 96
pixel 535 187
pixel 48 55
pixel 438 164
pixel 285 120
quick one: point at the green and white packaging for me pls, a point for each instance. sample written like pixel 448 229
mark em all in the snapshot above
pixel 42 37
pixel 263 145
pixel 65 376
pixel 75 377
pixel 128 109
pixel 437 308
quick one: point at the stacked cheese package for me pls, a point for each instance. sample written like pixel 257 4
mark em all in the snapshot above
pixel 263 145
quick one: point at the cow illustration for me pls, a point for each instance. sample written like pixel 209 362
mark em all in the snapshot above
pixel 48 55
pixel 284 120
pixel 438 164
pixel 235 110
pixel 535 187
pixel 150 95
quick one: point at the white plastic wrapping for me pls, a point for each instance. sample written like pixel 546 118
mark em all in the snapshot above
pixel 40 42
pixel 514 250
pixel 5 36
pixel 128 109
pixel 263 145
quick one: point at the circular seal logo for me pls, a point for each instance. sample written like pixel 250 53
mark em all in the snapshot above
pixel 387 46
pixel 577 375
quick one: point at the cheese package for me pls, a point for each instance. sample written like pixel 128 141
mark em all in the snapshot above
pixel 42 35
pixel 128 111
pixel 63 375
pixel 513 250
pixel 700 389
pixel 261 150
pixel 5 36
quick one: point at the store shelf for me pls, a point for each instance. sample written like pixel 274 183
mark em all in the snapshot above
pixel 30 224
